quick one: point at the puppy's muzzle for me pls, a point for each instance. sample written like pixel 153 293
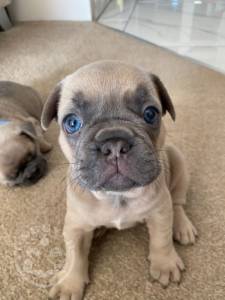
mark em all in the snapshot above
pixel 34 170
pixel 115 158
pixel 31 172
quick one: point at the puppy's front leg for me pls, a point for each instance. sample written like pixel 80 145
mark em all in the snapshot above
pixel 165 265
pixel 70 282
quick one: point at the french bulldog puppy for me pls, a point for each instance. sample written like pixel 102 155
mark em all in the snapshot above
pixel 21 136
pixel 121 171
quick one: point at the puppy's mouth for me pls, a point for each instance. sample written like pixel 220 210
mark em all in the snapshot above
pixel 115 178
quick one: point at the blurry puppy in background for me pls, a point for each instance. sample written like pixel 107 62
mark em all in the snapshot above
pixel 22 143
pixel 121 171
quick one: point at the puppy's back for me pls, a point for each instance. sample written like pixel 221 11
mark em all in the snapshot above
pixel 23 98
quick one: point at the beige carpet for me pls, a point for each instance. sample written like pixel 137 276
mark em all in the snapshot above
pixel 31 219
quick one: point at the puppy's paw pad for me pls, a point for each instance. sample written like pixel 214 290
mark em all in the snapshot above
pixel 185 233
pixel 166 268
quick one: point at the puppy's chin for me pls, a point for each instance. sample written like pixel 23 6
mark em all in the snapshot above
pixel 117 182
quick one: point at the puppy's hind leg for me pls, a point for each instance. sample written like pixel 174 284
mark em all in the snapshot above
pixel 183 230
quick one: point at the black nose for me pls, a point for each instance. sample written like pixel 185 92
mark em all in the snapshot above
pixel 115 148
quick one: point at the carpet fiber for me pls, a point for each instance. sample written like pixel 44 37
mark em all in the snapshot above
pixel 31 219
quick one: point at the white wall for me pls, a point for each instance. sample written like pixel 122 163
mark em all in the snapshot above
pixel 29 10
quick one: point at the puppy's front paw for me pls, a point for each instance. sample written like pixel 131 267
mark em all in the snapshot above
pixel 166 268
pixel 67 286
pixel 184 231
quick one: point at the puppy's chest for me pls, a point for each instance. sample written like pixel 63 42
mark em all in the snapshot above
pixel 124 213
pixel 112 210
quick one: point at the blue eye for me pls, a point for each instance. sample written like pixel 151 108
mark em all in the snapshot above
pixel 151 115
pixel 71 124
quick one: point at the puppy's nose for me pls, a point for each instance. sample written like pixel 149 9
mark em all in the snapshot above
pixel 114 142
pixel 115 148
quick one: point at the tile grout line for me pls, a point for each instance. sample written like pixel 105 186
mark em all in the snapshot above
pixel 131 13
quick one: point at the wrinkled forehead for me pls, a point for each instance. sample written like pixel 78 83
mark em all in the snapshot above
pixel 104 85
pixel 104 79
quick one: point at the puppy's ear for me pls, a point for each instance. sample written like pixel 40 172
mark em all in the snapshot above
pixel 27 128
pixel 50 108
pixel 45 146
pixel 164 97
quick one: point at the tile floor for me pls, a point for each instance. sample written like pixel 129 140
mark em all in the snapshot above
pixel 193 28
